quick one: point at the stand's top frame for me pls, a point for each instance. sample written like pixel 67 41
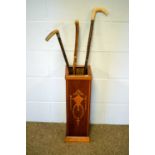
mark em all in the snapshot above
pixel 87 76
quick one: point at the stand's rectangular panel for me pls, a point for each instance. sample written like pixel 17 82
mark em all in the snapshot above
pixel 78 94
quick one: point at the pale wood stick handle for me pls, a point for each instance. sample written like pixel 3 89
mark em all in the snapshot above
pixel 50 35
pixel 96 10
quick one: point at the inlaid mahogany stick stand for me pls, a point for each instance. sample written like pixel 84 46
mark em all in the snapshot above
pixel 78 87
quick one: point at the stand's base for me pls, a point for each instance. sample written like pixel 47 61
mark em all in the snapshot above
pixel 77 139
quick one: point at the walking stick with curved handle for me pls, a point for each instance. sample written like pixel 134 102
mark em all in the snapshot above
pixel 94 12
pixel 50 35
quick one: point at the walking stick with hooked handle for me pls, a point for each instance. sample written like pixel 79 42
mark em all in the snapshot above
pixel 94 12
pixel 76 46
pixel 50 35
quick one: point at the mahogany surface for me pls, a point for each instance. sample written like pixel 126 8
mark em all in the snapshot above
pixel 78 94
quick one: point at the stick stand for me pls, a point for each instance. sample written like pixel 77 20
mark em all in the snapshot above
pixel 78 95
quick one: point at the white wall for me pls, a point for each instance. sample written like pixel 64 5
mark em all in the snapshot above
pixel 108 58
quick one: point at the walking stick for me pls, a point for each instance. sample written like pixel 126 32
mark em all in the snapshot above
pixel 76 46
pixel 60 42
pixel 95 10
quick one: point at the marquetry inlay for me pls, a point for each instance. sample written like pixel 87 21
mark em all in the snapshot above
pixel 78 105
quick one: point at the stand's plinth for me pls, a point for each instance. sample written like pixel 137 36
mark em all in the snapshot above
pixel 78 94
pixel 76 139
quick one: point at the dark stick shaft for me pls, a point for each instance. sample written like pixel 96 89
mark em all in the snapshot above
pixel 63 50
pixel 88 46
